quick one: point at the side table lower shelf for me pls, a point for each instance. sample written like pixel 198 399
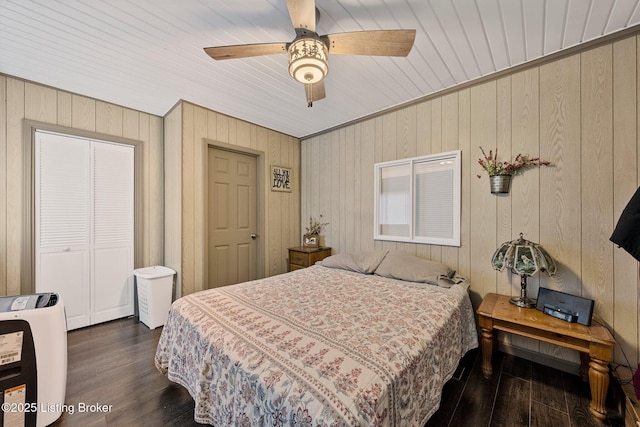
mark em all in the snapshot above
pixel 594 342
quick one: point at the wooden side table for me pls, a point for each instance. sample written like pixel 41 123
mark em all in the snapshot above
pixel 303 257
pixel 594 342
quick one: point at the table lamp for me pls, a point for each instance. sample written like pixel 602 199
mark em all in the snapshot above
pixel 526 259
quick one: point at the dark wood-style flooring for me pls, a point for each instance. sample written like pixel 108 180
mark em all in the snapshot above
pixel 112 364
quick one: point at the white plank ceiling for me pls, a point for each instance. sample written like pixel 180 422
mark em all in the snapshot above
pixel 147 54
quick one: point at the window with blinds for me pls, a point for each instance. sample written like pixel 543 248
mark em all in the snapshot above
pixel 418 199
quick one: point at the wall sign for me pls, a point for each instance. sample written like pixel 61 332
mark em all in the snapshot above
pixel 280 179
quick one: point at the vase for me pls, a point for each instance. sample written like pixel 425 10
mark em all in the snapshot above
pixel 500 183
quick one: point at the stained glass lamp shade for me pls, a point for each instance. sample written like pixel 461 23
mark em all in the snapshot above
pixel 524 258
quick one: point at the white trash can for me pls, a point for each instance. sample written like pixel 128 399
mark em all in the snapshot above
pixel 155 288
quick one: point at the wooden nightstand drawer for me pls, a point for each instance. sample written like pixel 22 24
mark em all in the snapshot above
pixel 301 257
pixel 298 258
pixel 295 267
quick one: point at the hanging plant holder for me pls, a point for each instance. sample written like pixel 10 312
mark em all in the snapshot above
pixel 500 172
pixel 500 183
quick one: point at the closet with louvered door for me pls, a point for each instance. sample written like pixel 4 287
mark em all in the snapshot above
pixel 84 217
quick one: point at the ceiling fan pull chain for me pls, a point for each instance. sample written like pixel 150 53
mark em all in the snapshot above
pixel 308 89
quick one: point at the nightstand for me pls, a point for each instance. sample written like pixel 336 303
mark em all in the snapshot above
pixel 302 257
pixel 594 342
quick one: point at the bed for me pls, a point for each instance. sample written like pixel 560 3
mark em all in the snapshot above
pixel 364 339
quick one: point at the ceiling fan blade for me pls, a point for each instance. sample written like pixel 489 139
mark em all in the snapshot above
pixel 303 14
pixel 245 50
pixel 373 43
pixel 314 92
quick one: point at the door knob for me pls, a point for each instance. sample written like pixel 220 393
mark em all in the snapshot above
pixel 253 236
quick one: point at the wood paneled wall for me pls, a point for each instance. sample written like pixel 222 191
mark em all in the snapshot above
pixel 22 100
pixel 199 127
pixel 580 112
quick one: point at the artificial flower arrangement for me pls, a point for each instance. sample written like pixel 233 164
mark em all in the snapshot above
pixel 494 167
pixel 315 226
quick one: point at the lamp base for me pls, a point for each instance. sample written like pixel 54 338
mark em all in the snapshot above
pixel 523 302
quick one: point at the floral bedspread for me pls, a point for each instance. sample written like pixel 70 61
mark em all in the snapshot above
pixel 317 347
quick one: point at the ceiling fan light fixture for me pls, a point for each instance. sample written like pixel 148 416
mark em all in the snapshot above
pixel 308 60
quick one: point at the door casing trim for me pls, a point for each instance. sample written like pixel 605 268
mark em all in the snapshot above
pixel 28 258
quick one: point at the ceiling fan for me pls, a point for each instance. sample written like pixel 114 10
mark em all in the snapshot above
pixel 308 52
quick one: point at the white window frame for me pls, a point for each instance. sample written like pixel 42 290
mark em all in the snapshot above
pixel 450 160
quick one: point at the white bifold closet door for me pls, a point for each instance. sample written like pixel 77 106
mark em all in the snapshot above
pixel 84 226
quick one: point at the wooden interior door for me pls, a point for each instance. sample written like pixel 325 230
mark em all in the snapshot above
pixel 232 217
